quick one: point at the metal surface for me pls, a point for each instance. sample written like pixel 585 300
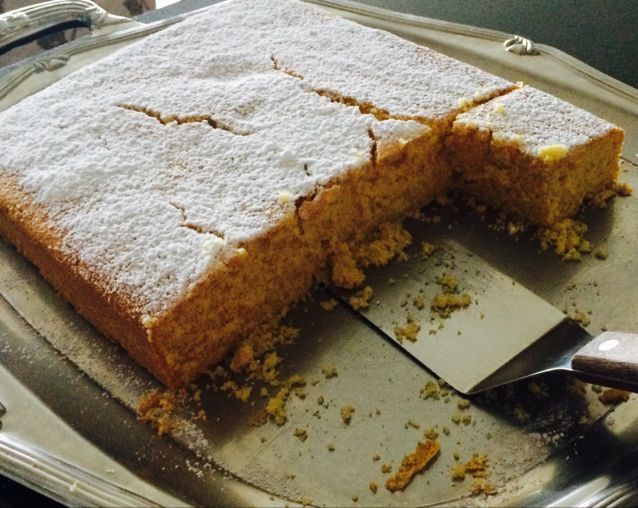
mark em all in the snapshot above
pixel 520 46
pixel 546 444
pixel 469 346
pixel 32 19
pixel 506 334
pixel 108 33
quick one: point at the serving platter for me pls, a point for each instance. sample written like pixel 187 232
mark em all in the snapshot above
pixel 70 429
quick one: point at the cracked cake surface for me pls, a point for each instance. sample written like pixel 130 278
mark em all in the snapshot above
pixel 189 188
pixel 219 135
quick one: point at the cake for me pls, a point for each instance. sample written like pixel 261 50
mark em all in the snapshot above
pixel 533 155
pixel 185 191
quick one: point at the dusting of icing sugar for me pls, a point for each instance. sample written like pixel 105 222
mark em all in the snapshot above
pixel 161 156
pixel 536 121
pixel 403 79
pixel 399 130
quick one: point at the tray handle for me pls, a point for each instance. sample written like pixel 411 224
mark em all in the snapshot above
pixel 22 23
pixel 60 480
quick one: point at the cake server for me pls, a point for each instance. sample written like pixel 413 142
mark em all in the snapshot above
pixel 506 334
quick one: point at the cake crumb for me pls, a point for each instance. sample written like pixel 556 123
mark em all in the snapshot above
pixel 601 253
pixel 581 317
pixel 431 434
pixel 477 468
pixel 448 282
pixel 373 487
pixel 276 406
pixel 157 408
pixel 412 464
pixel 567 237
pixel 446 303
pixel 201 415
pixel 430 391
pixel 387 243
pixel 623 189
pixel 419 302
pixel 427 249
pixel 482 486
pixel 328 305
pixel 620 189
pixel 386 468
pixel 329 372
pixel 346 413
pixel 361 300
pixel 408 331
pixel 457 472
pixel 241 393
pixel 242 357
pixel 301 434
pixel 269 370
pixel 463 404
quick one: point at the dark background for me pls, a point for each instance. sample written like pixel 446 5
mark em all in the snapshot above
pixel 602 33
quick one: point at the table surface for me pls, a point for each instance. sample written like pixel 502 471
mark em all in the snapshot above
pixel 601 33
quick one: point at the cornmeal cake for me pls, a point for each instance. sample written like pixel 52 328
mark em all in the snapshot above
pixel 534 155
pixel 188 189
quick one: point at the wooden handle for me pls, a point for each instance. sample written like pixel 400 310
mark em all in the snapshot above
pixel 610 359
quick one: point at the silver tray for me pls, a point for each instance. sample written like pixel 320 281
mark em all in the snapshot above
pixel 69 430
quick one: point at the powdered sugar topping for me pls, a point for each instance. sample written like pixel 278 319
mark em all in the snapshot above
pixel 535 120
pixel 158 158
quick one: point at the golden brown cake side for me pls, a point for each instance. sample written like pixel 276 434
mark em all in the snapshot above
pixel 25 225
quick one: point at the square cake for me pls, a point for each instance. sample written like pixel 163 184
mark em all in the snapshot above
pixel 185 191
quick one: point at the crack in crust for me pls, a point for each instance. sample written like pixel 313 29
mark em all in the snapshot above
pixel 373 147
pixel 195 227
pixel 180 120
pixel 365 108
pixel 278 67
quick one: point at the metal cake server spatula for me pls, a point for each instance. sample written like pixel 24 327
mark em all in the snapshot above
pixel 507 333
